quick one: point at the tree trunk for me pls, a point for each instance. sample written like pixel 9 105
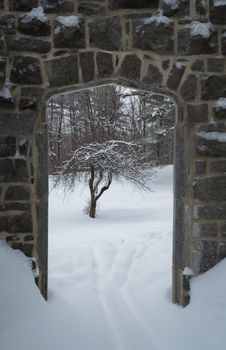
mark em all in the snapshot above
pixel 92 209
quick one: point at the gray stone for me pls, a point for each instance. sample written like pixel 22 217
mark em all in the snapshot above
pixel 217 12
pixel 198 66
pixel 189 88
pixel 210 212
pixel 182 8
pixel 69 36
pixel 154 37
pixel 207 254
pixel 27 44
pixel 27 249
pixel 7 146
pixel 13 170
pixel 17 124
pixel 7 206
pixel 106 34
pixel 175 76
pixel 205 230
pixel 153 76
pixel 130 68
pixel 26 70
pixel 18 193
pixel 104 64
pixel 22 5
pixel 32 91
pixel 165 64
pixel 7 101
pixel 2 4
pixel 7 24
pixel 219 112
pixel 224 43
pixel 212 127
pixel 28 103
pixel 189 44
pixel 200 167
pixel 133 4
pixel 34 27
pixel 89 9
pixel 210 188
pixel 24 146
pixel 201 7
pixel 210 144
pixel 197 113
pixel 87 65
pixel 213 87
pixel 216 65
pixel 58 6
pixel 2 69
pixel 218 166
pixel 62 71
pixel 223 230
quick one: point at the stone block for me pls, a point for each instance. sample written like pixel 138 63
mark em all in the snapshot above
pixel 27 249
pixel 218 166
pixel 211 144
pixel 207 254
pixel 205 230
pixel 33 25
pixel 153 76
pixel 32 91
pixel 90 9
pixel 6 98
pixel 190 44
pixel 219 109
pixel 189 88
pixel 224 42
pixel 223 230
pixel 7 146
pixel 215 65
pixel 217 12
pixel 58 6
pixel 106 34
pixel 197 113
pixel 200 167
pixel 22 5
pixel 213 86
pixel 211 127
pixel 2 69
pixel 13 170
pixel 7 24
pixel 133 4
pixel 14 193
pixel 28 104
pixel 69 32
pixel 2 4
pixel 201 7
pixel 6 206
pixel 210 188
pixel 152 35
pixel 130 68
pixel 104 64
pixel 165 64
pixel 17 124
pixel 198 66
pixel 179 8
pixel 27 44
pixel 26 70
pixel 87 65
pixel 175 75
pixel 62 71
pixel 210 211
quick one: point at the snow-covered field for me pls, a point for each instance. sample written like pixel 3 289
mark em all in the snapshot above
pixel 110 281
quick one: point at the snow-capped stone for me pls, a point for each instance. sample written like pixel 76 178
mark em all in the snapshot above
pixel 36 13
pixel 201 29
pixel 158 19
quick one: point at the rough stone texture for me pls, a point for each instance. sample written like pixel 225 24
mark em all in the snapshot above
pixel 209 144
pixel 219 112
pixel 58 6
pixel 69 36
pixel 106 34
pixel 210 188
pixel 22 5
pixel 133 4
pixel 201 7
pixel 87 65
pixel 17 124
pixel 206 254
pixel 7 101
pixel 165 64
pixel 2 3
pixel 28 103
pixel 26 44
pixel 181 9
pixel 104 64
pixel 216 65
pixel 157 38
pixel 200 167
pixel 8 24
pixel 218 166
pixel 2 70
pixel 7 146
pixel 12 170
pixel 196 45
pixel 130 68
pixel 58 76
pixel 90 9
pixel 197 113
pixel 210 211
pixel 224 43
pixel 189 88
pixel 213 87
pixel 153 76
pixel 205 230
pixel 198 66
pixel 18 193
pixel 33 27
pixel 26 70
pixel 217 13
pixel 175 76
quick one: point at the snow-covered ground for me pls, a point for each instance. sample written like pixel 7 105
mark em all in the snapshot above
pixel 110 281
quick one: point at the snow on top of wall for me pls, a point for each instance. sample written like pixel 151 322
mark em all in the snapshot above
pixel 201 29
pixel 5 92
pixel 35 13
pixel 213 136
pixel 69 21
pixel 172 3
pixel 158 19
pixel 219 3
pixel 187 271
pixel 221 103
pixel 180 64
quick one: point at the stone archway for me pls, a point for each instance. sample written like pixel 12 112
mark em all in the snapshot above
pixel 70 45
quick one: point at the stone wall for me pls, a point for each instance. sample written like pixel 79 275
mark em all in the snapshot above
pixel 176 49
